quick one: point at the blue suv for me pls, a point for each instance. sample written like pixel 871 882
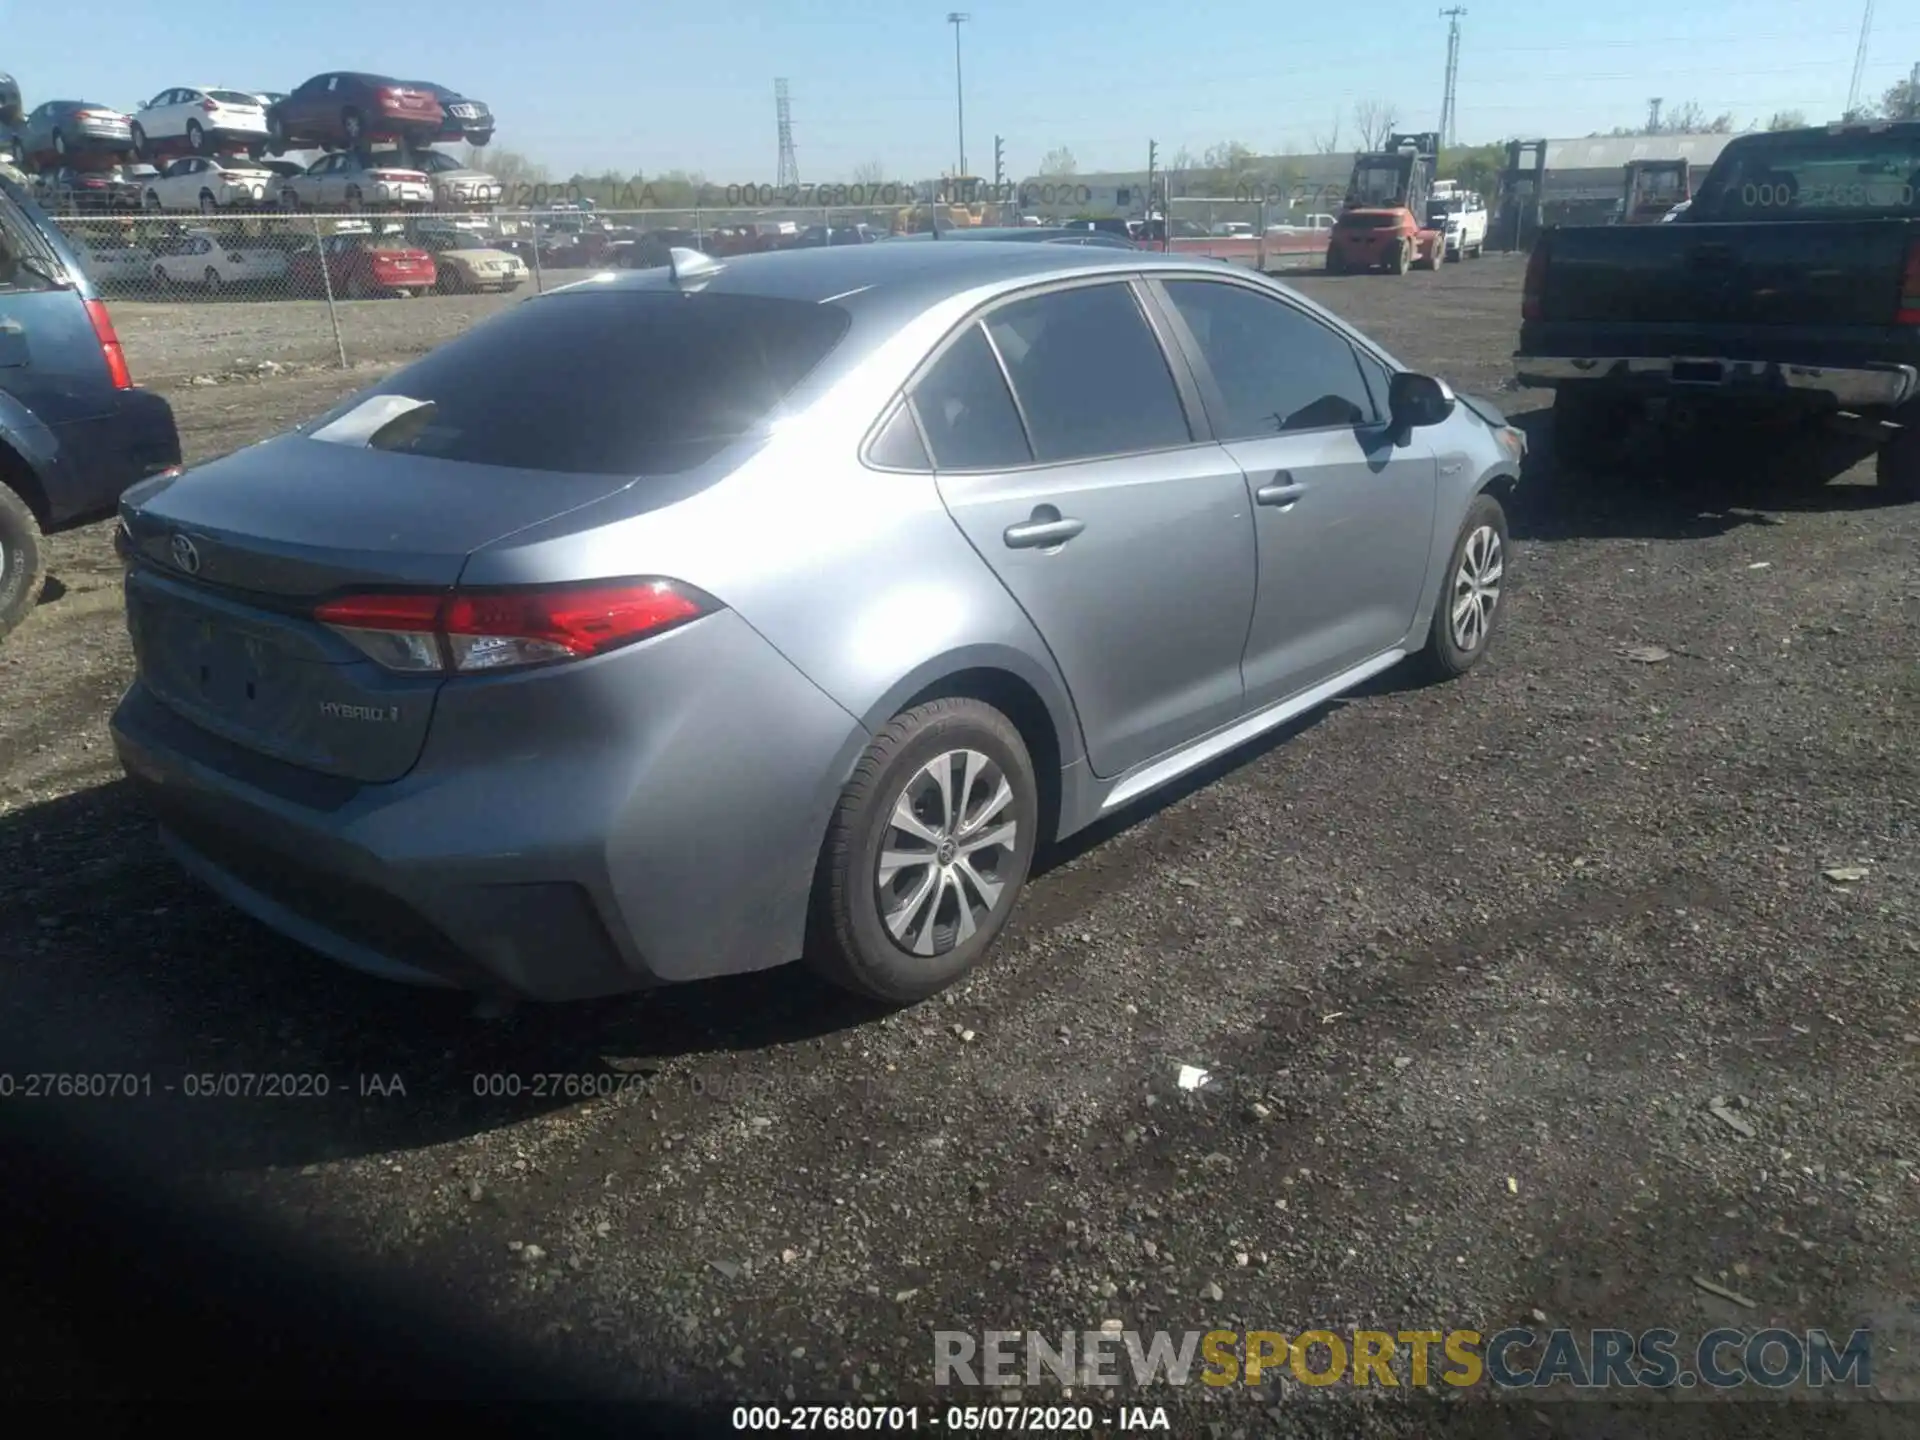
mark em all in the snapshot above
pixel 74 429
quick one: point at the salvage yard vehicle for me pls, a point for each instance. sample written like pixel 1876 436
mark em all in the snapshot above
pixel 74 429
pixel 114 262
pixel 1786 295
pixel 214 263
pixel 1461 216
pixel 76 131
pixel 361 265
pixel 464 120
pixel 346 108
pixel 455 186
pixel 1652 190
pixel 1383 225
pixel 348 182
pixel 202 119
pixel 465 262
pixel 206 184
pixel 557 574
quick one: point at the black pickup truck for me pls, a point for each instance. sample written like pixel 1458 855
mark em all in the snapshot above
pixel 1787 293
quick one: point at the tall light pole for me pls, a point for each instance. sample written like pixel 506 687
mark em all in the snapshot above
pixel 957 18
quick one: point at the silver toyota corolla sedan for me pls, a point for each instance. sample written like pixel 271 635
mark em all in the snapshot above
pixel 683 622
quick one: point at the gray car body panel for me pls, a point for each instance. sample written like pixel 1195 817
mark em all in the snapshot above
pixel 681 787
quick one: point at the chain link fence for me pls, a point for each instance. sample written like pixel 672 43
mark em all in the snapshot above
pixel 203 297
pixel 1265 232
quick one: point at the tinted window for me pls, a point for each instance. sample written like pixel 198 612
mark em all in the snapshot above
pixel 898 445
pixel 231 97
pixel 967 413
pixel 1379 381
pixel 1817 178
pixel 612 383
pixel 1091 377
pixel 1278 370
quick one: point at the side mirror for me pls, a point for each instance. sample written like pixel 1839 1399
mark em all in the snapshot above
pixel 1417 401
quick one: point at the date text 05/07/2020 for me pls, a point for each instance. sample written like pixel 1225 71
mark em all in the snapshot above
pixel 958 1419
pixel 628 196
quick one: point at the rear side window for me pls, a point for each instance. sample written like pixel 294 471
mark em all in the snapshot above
pixel 1090 375
pixel 612 383
pixel 1817 178
pixel 969 417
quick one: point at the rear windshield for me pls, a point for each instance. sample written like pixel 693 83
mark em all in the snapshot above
pixel 1819 178
pixel 232 97
pixel 600 382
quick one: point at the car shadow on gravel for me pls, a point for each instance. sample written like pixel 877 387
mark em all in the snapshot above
pixel 1690 488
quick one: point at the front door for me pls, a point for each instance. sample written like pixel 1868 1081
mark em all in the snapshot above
pixel 1343 516
pixel 1062 448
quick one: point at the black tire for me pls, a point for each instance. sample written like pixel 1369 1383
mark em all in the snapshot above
pixel 197 138
pixel 23 564
pixel 1335 266
pixel 352 127
pixel 212 277
pixel 59 143
pixel 355 202
pixel 479 138
pixel 1445 657
pixel 1402 258
pixel 1897 468
pixel 208 205
pixel 849 942
pixel 140 146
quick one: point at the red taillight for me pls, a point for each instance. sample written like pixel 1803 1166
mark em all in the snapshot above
pixel 1534 293
pixel 1910 289
pixel 110 350
pixel 392 95
pixel 483 630
pixel 209 106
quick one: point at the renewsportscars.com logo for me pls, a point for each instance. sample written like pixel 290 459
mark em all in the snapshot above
pixel 1516 1359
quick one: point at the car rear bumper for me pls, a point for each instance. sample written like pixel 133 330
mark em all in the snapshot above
pixel 102 456
pixel 1871 387
pixel 664 828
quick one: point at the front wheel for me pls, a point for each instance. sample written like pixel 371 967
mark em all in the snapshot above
pixel 23 564
pixel 926 853
pixel 1472 593
pixel 1402 258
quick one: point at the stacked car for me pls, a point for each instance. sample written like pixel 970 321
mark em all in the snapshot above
pixel 204 148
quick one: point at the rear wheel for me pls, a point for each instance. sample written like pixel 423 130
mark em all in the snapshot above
pixel 207 203
pixel 1402 258
pixel 352 126
pixel 356 287
pixel 196 137
pixel 212 277
pixel 1472 593
pixel 926 854
pixel 1897 469
pixel 22 564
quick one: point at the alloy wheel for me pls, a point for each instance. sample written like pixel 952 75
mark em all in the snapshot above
pixel 943 864
pixel 1476 588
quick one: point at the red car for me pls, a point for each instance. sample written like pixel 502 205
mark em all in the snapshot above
pixel 344 109
pixel 361 265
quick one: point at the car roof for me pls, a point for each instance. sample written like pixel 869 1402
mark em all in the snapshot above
pixel 888 280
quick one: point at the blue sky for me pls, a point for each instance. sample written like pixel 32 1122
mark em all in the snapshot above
pixel 591 84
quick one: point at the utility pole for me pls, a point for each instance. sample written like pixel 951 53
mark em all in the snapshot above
pixel 1860 63
pixel 1653 115
pixel 1448 117
pixel 1913 93
pixel 957 18
pixel 788 176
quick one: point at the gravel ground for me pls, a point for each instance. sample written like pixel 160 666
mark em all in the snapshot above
pixel 1468 966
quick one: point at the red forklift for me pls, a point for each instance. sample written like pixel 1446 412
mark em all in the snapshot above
pixel 1383 223
pixel 1653 188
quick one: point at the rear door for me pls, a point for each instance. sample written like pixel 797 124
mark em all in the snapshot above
pixel 1343 516
pixel 1063 448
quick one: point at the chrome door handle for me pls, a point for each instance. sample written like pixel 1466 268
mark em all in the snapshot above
pixel 1283 491
pixel 1046 528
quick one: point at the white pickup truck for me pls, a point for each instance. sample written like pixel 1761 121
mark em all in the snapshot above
pixel 1462 214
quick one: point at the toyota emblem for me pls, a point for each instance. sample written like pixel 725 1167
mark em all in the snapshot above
pixel 186 555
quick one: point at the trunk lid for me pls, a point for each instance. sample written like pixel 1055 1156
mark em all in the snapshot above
pixel 228 559
pixel 1827 273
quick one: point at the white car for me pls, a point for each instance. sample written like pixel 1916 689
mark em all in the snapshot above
pixel 347 181
pixel 199 257
pixel 203 117
pixel 196 182
pixel 454 185
pixel 107 264
pixel 1233 230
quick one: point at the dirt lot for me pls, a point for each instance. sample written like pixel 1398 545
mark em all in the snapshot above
pixel 1468 967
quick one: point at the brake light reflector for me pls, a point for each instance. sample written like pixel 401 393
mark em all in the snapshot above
pixel 1910 289
pixel 110 348
pixel 209 106
pixel 1533 295
pixel 465 631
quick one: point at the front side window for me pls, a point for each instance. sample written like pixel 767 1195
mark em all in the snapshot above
pixel 1278 369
